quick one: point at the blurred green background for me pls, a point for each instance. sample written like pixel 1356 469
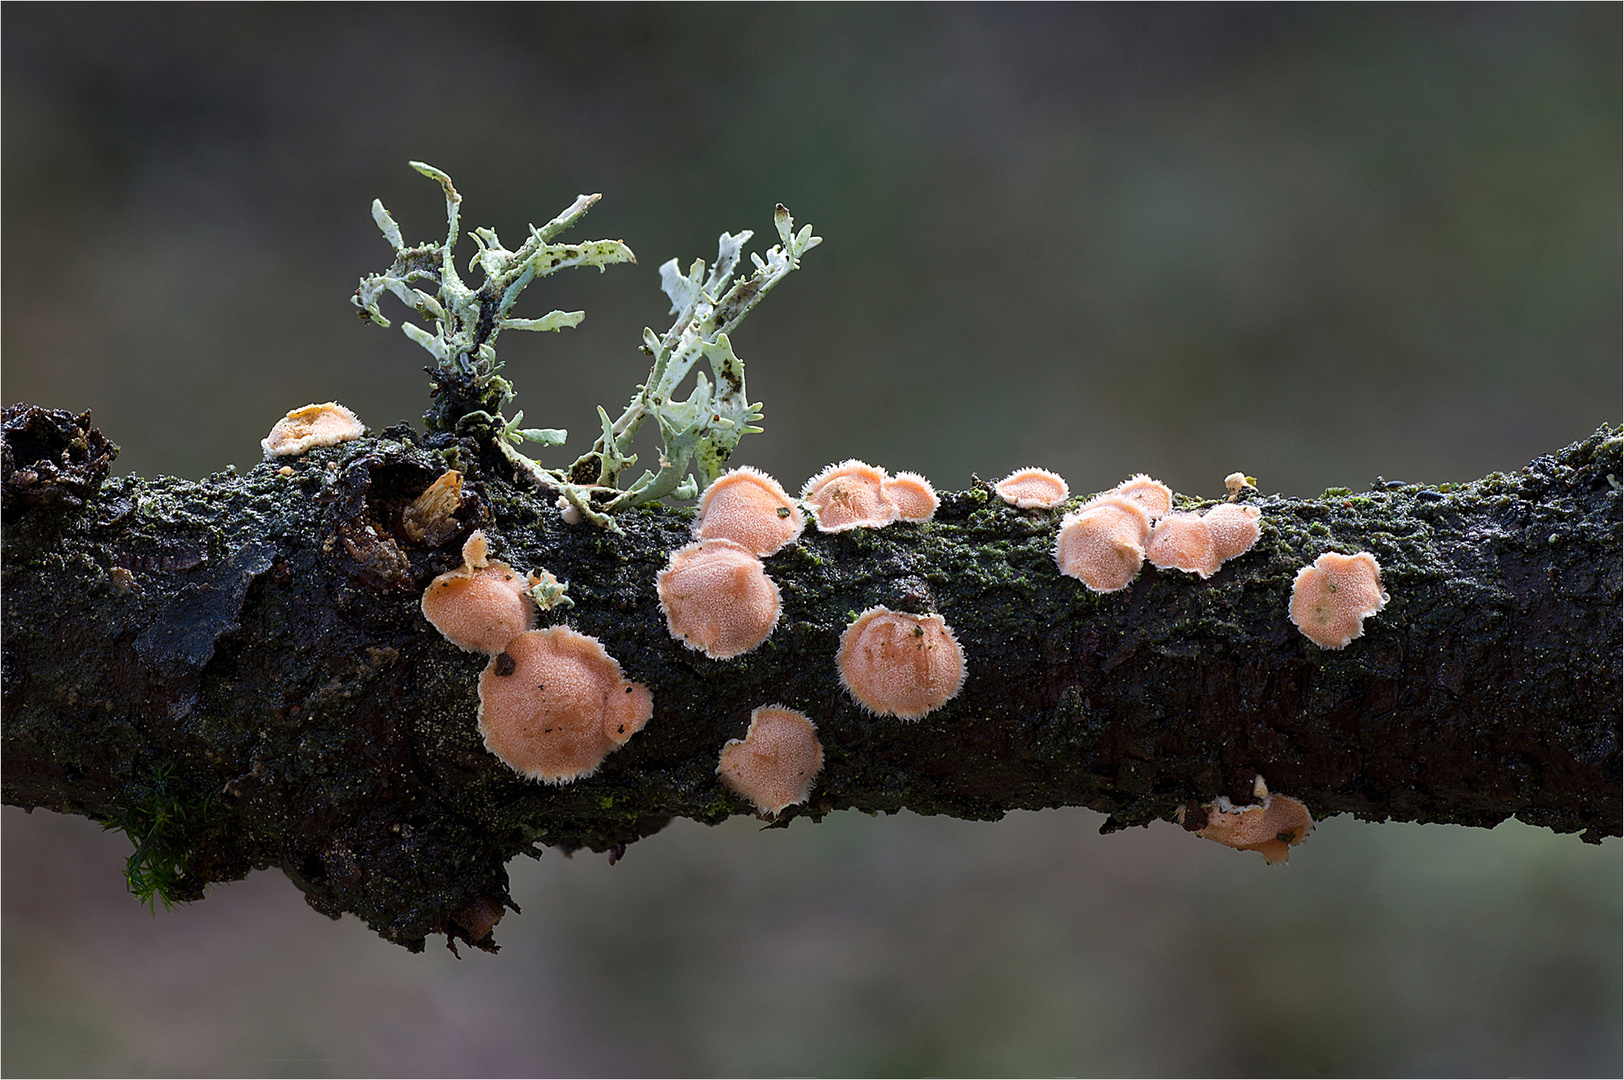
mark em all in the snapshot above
pixel 1316 244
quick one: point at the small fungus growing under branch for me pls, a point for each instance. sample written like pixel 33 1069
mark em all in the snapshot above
pixel 1271 826
pixel 555 704
pixel 327 424
pixel 1331 599
pixel 897 664
pixel 1033 489
pixel 775 763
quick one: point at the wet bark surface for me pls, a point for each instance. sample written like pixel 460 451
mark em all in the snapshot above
pixel 237 671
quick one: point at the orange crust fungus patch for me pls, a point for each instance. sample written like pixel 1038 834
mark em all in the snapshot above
pixel 1331 600
pixel 1153 496
pixel 554 704
pixel 912 495
pixel 481 605
pixel 850 495
pixel 1271 827
pixel 327 424
pixel 717 598
pixel 1235 528
pixel 775 763
pixel 1183 542
pixel 1033 489
pixel 897 664
pixel 1103 544
pixel 750 508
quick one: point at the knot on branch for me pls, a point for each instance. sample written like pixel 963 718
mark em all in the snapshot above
pixel 53 460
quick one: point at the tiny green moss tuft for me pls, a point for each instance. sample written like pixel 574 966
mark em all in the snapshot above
pixel 159 823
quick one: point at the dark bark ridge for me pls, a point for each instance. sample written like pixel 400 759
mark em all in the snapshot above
pixel 236 670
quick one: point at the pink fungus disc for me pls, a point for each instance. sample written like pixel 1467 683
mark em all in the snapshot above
pixel 1103 544
pixel 751 509
pixel 775 763
pixel 1235 528
pixel 554 704
pixel 1183 542
pixel 327 424
pixel 897 664
pixel 1033 489
pixel 717 598
pixel 481 605
pixel 1153 496
pixel 850 495
pixel 912 495
pixel 1331 600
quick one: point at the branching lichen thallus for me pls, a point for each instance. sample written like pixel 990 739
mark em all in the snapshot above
pixel 700 430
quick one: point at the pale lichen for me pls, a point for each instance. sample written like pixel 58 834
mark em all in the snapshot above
pixel 699 431
pixel 548 591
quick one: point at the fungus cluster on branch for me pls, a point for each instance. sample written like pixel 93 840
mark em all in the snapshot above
pixel 1103 543
pixel 715 593
pixel 1200 544
pixel 892 663
pixel 554 704
pixel 1106 542
pixel 718 599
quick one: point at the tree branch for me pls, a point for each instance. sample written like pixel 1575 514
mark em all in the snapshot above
pixel 236 671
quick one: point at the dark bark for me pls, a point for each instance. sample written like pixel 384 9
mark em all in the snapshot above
pixel 236 671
